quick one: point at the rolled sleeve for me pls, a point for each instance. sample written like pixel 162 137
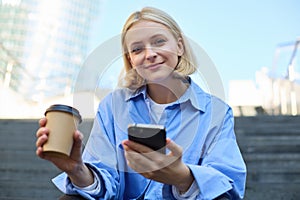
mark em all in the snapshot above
pixel 94 188
pixel 103 176
pixel 222 171
pixel 211 182
pixel 192 192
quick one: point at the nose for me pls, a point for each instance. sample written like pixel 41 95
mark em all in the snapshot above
pixel 150 53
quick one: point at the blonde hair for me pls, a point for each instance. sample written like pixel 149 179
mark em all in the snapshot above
pixel 187 63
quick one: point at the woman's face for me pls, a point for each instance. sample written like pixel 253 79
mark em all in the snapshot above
pixel 153 50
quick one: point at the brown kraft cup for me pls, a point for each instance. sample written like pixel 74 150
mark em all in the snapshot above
pixel 62 121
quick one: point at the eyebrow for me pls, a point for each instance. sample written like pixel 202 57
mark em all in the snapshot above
pixel 154 36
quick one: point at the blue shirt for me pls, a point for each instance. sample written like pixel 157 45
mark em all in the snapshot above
pixel 201 124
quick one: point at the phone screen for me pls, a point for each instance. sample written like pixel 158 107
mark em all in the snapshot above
pixel 153 136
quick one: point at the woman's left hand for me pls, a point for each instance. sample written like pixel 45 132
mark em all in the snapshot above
pixel 164 168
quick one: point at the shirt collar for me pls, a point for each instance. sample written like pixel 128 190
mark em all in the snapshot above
pixel 131 94
pixel 194 94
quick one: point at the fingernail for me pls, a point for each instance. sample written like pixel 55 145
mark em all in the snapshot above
pixel 126 142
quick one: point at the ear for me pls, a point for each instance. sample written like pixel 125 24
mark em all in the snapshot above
pixel 180 47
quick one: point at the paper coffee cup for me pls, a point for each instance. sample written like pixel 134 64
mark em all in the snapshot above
pixel 62 121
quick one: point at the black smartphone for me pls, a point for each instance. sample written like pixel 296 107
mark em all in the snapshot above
pixel 153 136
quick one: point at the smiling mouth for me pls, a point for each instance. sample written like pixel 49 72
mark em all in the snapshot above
pixel 152 66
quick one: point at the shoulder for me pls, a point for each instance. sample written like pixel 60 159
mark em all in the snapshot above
pixel 116 97
pixel 119 93
pixel 208 101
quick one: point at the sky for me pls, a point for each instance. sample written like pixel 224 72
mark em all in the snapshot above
pixel 240 37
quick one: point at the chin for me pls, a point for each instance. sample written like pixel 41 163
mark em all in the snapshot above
pixel 157 79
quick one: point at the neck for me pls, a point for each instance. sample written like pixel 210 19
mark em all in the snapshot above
pixel 167 92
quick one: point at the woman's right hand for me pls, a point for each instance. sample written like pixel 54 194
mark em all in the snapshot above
pixel 66 164
pixel 72 165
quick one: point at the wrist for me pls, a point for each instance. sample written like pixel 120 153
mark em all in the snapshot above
pixel 186 180
pixel 82 176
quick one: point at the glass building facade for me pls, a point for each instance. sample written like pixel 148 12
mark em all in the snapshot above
pixel 43 44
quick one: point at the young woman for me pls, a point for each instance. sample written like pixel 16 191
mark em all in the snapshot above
pixel 203 160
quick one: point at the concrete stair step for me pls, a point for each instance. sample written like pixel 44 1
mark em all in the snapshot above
pixel 18 189
pixel 267 125
pixel 273 167
pixel 273 176
pixel 265 148
pixel 271 157
pixel 274 144
pixel 272 191
pixel 26 158
pixel 266 160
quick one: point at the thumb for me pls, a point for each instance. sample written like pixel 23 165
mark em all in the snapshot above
pixel 175 149
pixel 77 145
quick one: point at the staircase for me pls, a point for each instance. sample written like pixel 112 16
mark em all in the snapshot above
pixel 271 149
pixel 270 146
pixel 24 176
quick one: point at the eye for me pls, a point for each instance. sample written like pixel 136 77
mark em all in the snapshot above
pixel 136 49
pixel 159 41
